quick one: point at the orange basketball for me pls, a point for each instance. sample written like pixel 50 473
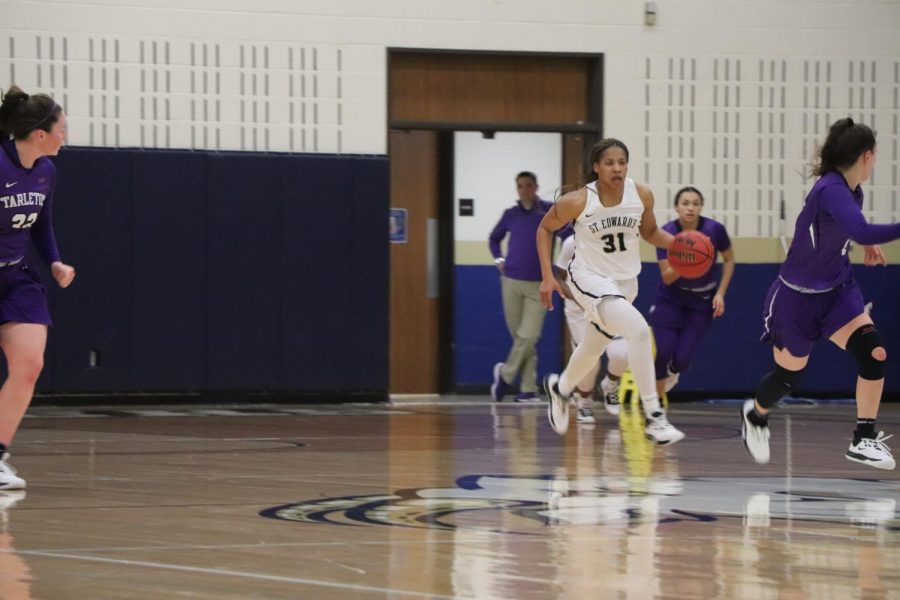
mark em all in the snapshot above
pixel 691 254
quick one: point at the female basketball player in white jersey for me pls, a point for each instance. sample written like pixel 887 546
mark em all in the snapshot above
pixel 610 215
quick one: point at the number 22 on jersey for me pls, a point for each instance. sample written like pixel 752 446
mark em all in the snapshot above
pixel 23 221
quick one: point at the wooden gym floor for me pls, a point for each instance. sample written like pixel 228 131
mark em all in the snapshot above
pixel 442 501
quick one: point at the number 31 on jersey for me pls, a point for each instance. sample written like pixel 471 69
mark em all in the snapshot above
pixel 609 240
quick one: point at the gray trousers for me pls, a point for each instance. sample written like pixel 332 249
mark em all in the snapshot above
pixel 524 318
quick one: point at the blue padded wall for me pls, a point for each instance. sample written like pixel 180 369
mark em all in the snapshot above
pixel 244 269
pixel 220 271
pixel 169 282
pixel 94 223
pixel 730 359
pixel 481 338
pixel 239 271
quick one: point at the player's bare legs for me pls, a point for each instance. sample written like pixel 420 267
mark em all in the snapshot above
pixel 23 344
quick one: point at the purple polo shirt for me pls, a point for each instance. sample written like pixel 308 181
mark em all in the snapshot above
pixel 716 232
pixel 521 225
pixel 818 259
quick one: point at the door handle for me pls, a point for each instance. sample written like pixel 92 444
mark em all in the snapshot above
pixel 432 269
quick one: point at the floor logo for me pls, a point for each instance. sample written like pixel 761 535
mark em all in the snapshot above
pixel 527 505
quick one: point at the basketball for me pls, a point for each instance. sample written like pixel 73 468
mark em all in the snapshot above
pixel 691 254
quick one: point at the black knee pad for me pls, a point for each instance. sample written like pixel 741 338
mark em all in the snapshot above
pixel 776 385
pixel 860 345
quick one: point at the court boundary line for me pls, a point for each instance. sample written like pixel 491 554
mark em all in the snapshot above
pixel 232 573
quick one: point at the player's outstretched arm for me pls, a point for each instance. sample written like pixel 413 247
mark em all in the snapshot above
pixel 839 204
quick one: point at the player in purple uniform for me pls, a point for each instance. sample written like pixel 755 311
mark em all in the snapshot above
pixel 816 297
pixel 684 308
pixel 31 128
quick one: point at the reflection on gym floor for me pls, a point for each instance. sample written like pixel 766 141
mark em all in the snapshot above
pixel 465 501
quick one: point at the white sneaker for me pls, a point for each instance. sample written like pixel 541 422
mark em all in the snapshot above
pixel 8 478
pixel 557 407
pixel 671 381
pixel 756 438
pixel 585 416
pixel 872 452
pixel 610 391
pixel 661 432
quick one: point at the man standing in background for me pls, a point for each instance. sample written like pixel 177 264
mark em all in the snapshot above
pixel 520 280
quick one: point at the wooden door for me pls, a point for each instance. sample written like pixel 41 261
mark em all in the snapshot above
pixel 431 91
pixel 415 290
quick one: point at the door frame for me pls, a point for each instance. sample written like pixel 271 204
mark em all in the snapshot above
pixel 590 130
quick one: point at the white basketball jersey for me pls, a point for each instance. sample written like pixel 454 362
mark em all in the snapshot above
pixel 607 240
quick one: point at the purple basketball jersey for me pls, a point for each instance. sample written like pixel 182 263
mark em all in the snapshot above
pixel 818 259
pixel 815 294
pixel 25 210
pixel 25 206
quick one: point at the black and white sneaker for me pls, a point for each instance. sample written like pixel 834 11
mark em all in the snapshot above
pixel 610 391
pixel 661 432
pixel 557 407
pixel 872 452
pixel 8 478
pixel 756 438
pixel 585 416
